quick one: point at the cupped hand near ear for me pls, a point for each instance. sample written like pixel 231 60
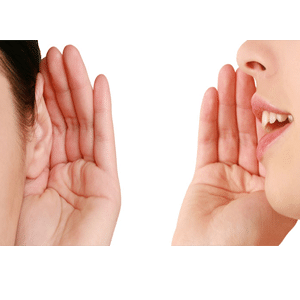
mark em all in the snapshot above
pixel 73 196
pixel 225 203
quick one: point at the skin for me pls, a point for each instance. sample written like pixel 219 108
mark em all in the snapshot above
pixel 72 192
pixel 229 201
pixel 13 174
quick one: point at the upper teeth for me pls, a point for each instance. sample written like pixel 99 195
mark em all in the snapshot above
pixel 270 117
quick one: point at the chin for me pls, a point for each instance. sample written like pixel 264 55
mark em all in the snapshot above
pixel 283 197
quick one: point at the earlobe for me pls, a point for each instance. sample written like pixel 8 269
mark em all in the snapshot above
pixel 38 149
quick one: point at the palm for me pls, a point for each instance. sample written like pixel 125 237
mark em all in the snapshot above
pixel 235 202
pixel 226 203
pixel 75 201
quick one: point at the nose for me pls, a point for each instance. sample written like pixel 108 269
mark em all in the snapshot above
pixel 256 58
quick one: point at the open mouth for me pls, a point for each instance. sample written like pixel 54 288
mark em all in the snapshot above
pixel 271 121
pixel 270 117
pixel 274 121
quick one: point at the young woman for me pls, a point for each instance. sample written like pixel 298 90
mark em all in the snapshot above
pixel 59 181
pixel 245 189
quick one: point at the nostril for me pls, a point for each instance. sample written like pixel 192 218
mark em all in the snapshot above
pixel 254 65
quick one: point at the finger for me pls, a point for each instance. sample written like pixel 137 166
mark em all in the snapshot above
pixel 260 133
pixel 246 120
pixel 58 152
pixel 65 102
pixel 104 148
pixel 208 129
pixel 228 131
pixel 82 95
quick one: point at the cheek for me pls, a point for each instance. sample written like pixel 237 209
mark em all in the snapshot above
pixel 12 171
pixel 282 184
pixel 11 168
pixel 12 175
pixel 12 178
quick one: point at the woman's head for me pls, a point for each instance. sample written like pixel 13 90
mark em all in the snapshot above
pixel 25 129
pixel 275 66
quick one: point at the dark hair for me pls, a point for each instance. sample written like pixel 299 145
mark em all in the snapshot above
pixel 20 61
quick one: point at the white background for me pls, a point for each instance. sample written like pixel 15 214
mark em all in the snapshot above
pixel 157 83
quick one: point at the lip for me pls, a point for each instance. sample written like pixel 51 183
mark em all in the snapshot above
pixel 258 106
pixel 267 140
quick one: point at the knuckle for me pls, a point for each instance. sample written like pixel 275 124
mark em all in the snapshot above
pixel 72 123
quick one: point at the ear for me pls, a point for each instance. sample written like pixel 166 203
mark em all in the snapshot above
pixel 38 149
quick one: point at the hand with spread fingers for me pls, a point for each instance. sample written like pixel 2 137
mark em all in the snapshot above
pixel 72 192
pixel 225 203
